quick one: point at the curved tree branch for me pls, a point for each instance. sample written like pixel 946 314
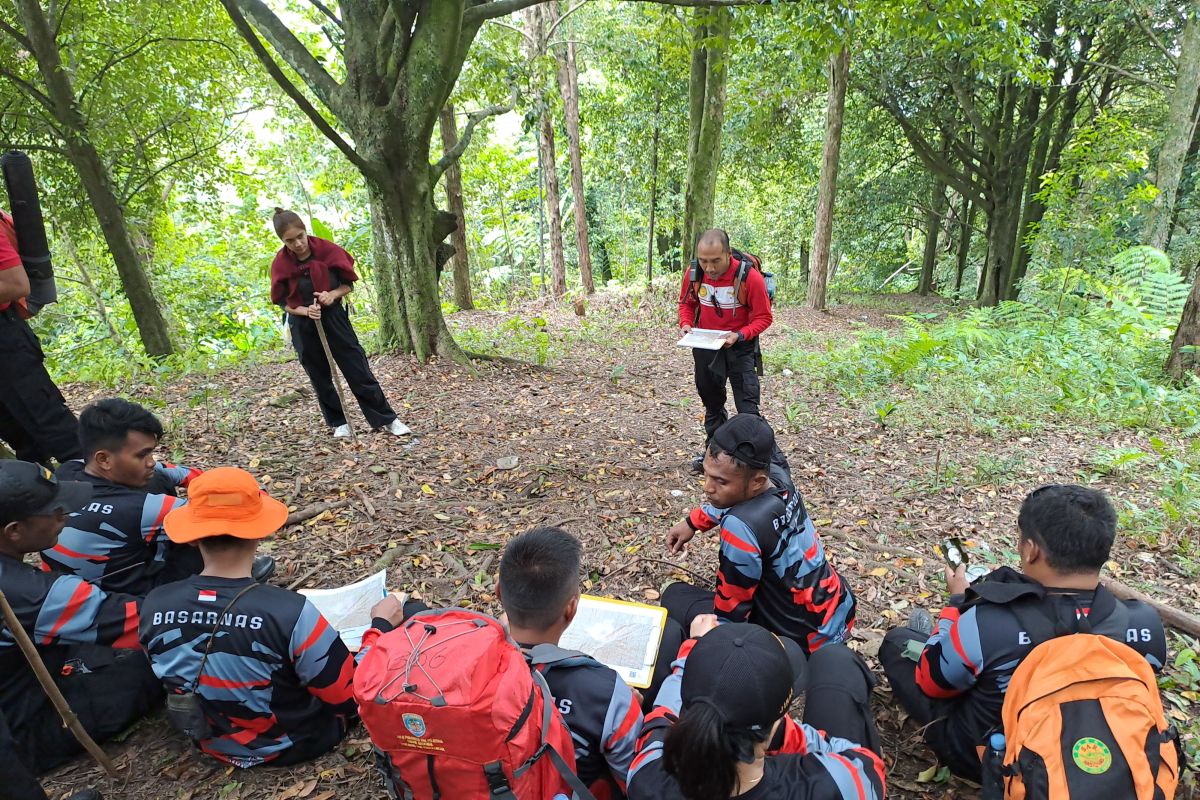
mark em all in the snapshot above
pixel 324 9
pixel 474 118
pixel 290 88
pixel 291 49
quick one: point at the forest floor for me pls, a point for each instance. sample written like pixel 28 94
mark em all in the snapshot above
pixel 603 437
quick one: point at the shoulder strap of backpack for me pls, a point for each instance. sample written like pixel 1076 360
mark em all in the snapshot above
pixel 1038 621
pixel 550 655
pixel 578 789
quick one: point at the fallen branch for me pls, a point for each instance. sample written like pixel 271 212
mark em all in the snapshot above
pixel 704 580
pixel 308 512
pixel 305 576
pixel 1180 620
pixel 51 688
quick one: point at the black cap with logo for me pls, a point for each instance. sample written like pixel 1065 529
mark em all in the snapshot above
pixel 745 672
pixel 748 438
pixel 28 490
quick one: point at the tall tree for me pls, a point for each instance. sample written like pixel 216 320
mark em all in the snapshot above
pixel 568 87
pixel 818 273
pixel 1180 125
pixel 401 60
pixel 538 22
pixel 706 116
pixel 653 184
pixel 935 215
pixel 454 201
pixel 38 35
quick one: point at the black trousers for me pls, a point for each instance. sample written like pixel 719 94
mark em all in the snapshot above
pixel 838 696
pixel 935 717
pixel 120 689
pixel 738 365
pixel 351 360
pixel 34 418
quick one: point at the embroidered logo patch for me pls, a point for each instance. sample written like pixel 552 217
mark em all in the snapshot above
pixel 415 724
pixel 702 291
pixel 1092 756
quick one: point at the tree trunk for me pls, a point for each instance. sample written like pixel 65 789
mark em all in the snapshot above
pixel 967 226
pixel 93 175
pixel 454 200
pixel 537 22
pixel 1178 134
pixel 653 185
pixel 1187 335
pixel 706 116
pixel 934 216
pixel 839 76
pixel 558 260
pixel 406 231
pixel 568 86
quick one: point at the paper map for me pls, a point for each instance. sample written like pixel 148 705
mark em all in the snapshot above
pixel 348 608
pixel 703 339
pixel 623 636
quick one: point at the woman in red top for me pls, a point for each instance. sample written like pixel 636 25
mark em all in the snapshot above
pixel 309 278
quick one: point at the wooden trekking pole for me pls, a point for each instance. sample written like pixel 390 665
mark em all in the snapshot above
pixel 51 688
pixel 333 370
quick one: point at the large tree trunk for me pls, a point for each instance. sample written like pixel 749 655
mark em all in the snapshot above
pixel 568 86
pixel 406 230
pixel 454 199
pixel 818 272
pixel 1178 134
pixel 934 216
pixel 93 175
pixel 706 116
pixel 1187 335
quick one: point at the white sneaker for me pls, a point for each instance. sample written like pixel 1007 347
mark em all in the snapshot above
pixel 397 428
pixel 341 432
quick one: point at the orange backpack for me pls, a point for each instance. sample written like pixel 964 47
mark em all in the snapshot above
pixel 1083 720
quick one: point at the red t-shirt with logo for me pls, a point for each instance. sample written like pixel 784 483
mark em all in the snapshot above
pixel 719 307
pixel 8 248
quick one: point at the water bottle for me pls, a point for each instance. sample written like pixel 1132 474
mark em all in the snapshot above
pixel 993 768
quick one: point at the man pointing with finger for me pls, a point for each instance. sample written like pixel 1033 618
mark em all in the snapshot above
pixel 719 294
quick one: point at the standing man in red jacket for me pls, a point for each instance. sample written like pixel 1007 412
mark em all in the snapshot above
pixel 719 301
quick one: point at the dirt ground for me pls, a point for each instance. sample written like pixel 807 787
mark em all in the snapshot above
pixel 602 438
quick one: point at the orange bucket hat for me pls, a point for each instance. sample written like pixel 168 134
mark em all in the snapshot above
pixel 225 501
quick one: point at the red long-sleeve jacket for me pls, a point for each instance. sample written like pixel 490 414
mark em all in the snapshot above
pixel 719 307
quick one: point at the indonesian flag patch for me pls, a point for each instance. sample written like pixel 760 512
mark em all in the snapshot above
pixel 207 596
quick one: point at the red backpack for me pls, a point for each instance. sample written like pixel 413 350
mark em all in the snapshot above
pixel 455 711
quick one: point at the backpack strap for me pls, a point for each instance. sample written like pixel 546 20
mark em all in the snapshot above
pixel 739 278
pixel 552 655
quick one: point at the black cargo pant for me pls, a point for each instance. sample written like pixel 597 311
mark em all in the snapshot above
pixel 351 360
pixel 737 364
pixel 34 418
pixel 838 696
pixel 120 689
pixel 954 748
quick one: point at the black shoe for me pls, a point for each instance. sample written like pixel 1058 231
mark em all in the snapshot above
pixel 698 465
pixel 921 621
pixel 86 794
pixel 264 568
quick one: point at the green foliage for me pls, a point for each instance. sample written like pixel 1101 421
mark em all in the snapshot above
pixel 1180 685
pixel 1078 347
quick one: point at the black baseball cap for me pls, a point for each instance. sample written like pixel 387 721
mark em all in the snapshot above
pixel 748 674
pixel 27 490
pixel 748 438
